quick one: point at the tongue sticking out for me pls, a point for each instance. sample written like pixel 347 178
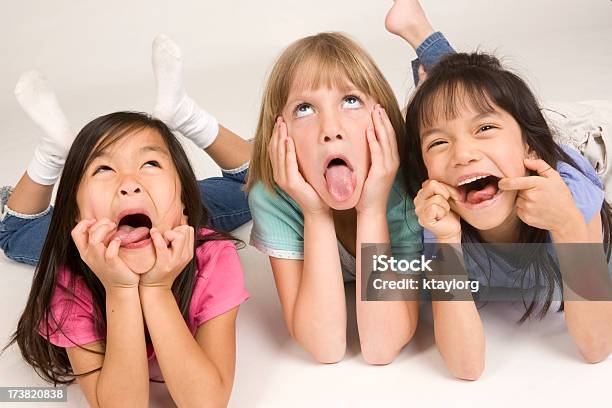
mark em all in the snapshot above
pixel 129 234
pixel 478 196
pixel 340 183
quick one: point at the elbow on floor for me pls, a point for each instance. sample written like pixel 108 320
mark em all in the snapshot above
pixel 595 353
pixel 468 372
pixel 378 355
pixel 327 354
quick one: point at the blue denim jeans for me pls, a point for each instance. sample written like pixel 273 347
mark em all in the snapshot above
pixel 430 52
pixel 22 236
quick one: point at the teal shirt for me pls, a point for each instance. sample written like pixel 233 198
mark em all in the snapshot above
pixel 278 224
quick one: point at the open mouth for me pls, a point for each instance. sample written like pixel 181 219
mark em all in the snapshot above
pixel 478 189
pixel 339 178
pixel 133 230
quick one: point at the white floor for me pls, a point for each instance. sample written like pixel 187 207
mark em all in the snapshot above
pixel 96 54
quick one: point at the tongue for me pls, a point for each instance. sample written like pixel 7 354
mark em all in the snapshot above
pixel 129 235
pixel 339 182
pixel 478 196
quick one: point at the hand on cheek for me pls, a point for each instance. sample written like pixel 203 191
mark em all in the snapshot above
pixel 89 236
pixel 543 201
pixel 287 176
pixel 434 212
pixel 384 163
pixel 173 249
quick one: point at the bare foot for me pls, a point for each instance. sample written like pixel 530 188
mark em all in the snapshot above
pixel 408 20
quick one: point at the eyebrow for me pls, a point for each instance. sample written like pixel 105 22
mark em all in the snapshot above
pixel 144 149
pixel 478 117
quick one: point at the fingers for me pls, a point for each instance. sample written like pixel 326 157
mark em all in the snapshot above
pixel 181 244
pixel 541 167
pixel 112 252
pixel 433 214
pixel 100 230
pixel 432 187
pixel 80 233
pixel 385 135
pixel 273 149
pixel 282 150
pixel 375 149
pixel 519 183
pixel 162 252
pixel 391 133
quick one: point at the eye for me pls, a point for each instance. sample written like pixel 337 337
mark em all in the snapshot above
pixel 302 110
pixel 435 143
pixel 352 102
pixel 484 128
pixel 101 169
pixel 153 163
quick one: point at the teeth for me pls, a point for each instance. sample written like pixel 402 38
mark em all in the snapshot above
pixel 467 181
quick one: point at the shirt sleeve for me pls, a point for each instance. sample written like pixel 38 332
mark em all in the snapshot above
pixel 219 285
pixel 72 319
pixel 583 182
pixel 278 224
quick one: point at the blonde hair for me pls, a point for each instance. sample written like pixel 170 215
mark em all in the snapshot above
pixel 323 59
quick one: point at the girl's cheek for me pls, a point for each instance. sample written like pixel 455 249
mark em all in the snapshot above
pixel 360 114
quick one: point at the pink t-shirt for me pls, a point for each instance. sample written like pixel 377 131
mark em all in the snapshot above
pixel 219 287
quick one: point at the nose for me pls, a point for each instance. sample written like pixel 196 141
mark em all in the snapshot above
pixel 129 186
pixel 331 128
pixel 465 152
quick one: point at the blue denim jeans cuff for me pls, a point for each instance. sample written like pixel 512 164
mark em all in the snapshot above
pixel 238 174
pixel 430 52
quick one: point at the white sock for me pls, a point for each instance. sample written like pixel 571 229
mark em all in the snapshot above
pixel 173 105
pixel 38 100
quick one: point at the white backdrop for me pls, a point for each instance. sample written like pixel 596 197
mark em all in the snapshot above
pixel 96 54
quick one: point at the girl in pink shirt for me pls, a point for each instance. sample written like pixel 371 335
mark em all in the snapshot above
pixel 128 274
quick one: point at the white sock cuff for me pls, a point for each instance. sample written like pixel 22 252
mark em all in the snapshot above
pixel 42 171
pixel 210 132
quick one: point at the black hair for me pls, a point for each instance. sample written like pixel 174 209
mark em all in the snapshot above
pixel 38 322
pixel 478 80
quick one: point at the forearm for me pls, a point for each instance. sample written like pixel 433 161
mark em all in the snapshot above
pixel 124 378
pixel 191 377
pixel 590 325
pixel 458 329
pixel 585 275
pixel 384 326
pixel 319 314
pixel 460 337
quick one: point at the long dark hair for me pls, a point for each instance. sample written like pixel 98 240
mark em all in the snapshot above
pixel 478 79
pixel 49 361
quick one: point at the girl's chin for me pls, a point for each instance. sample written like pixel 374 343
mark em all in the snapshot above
pixel 342 205
pixel 486 221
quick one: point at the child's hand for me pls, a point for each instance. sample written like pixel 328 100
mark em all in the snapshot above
pixel 434 212
pixel 286 173
pixel 170 260
pixel 385 162
pixel 89 236
pixel 544 201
